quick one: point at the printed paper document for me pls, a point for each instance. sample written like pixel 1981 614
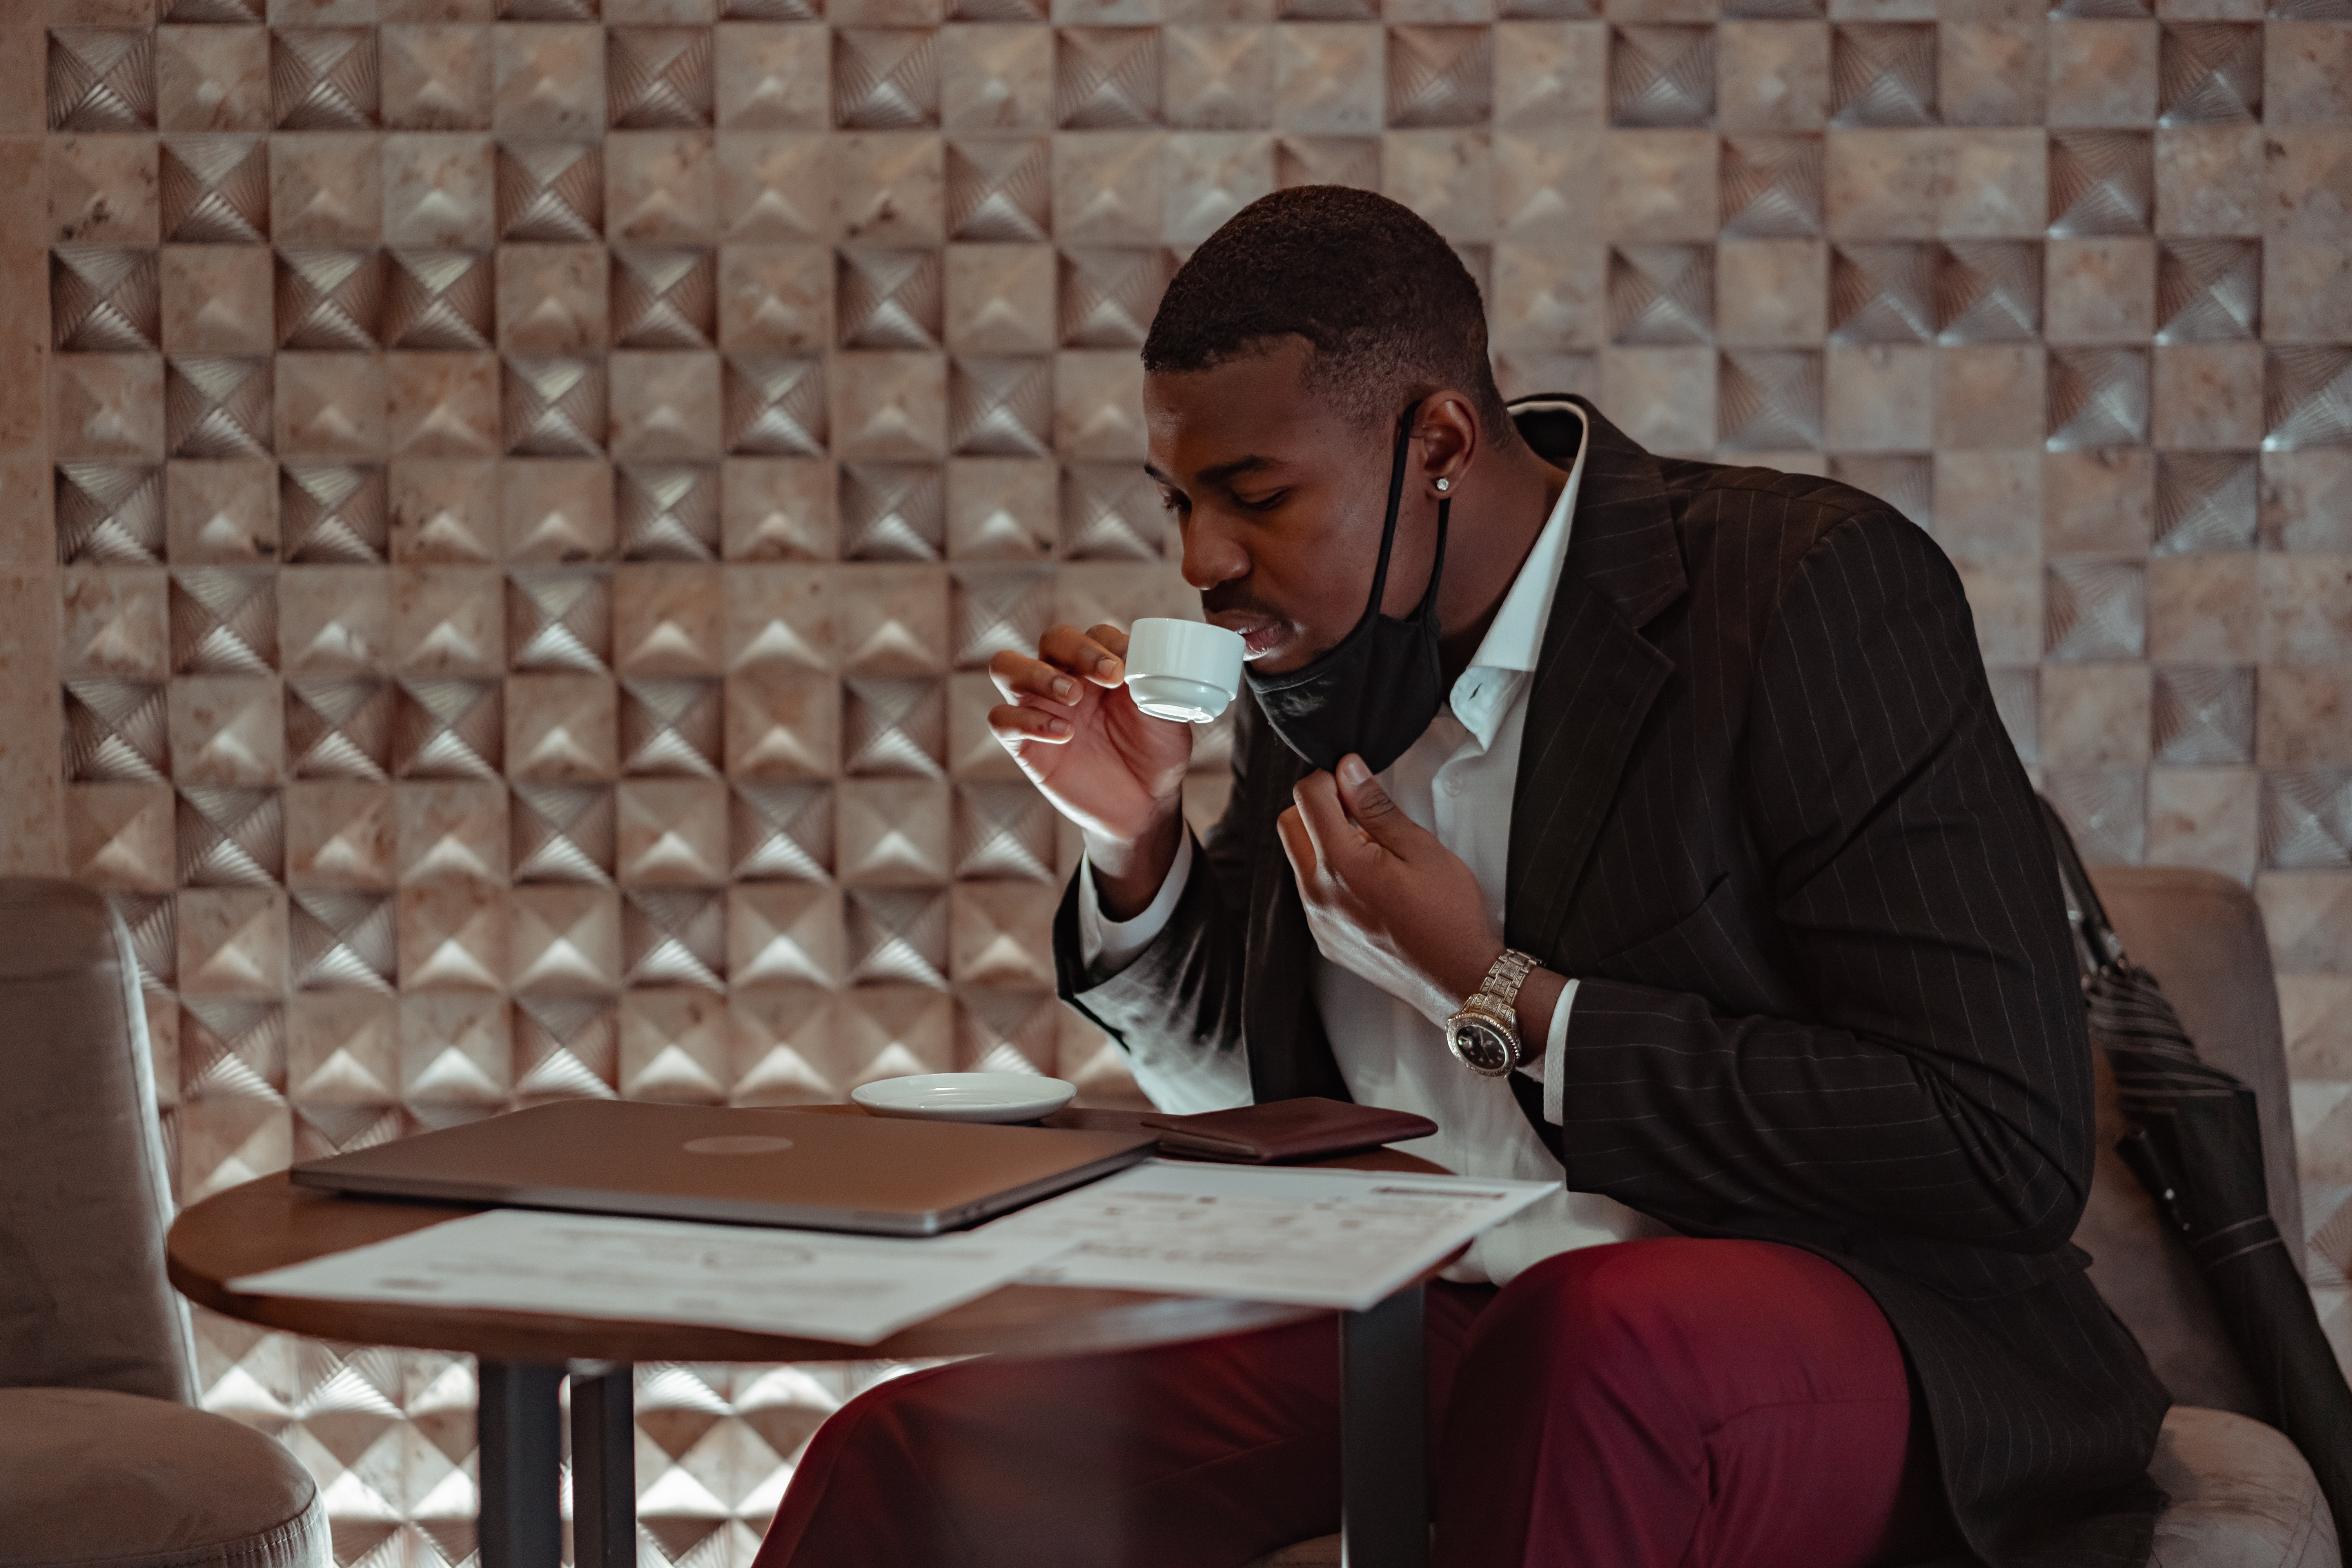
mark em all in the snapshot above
pixel 857 1289
pixel 1322 1237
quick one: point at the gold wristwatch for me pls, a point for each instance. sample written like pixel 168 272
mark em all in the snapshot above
pixel 1484 1032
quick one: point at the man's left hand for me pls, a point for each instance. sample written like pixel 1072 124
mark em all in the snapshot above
pixel 1385 900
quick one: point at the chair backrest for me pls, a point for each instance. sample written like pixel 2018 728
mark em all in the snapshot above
pixel 84 1195
pixel 2200 935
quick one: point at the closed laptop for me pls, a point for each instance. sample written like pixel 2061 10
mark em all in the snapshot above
pixel 821 1171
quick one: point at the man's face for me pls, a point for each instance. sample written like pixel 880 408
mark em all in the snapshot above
pixel 1280 498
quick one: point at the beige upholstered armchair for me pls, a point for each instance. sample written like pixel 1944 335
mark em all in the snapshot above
pixel 2241 1496
pixel 102 1463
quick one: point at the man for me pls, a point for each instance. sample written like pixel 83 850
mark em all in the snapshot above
pixel 1696 770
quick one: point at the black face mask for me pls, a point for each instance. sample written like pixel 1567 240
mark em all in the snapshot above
pixel 1378 688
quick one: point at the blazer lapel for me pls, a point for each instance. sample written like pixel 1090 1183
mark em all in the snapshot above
pixel 1594 680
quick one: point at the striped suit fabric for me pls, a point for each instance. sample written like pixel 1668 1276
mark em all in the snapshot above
pixel 1767 814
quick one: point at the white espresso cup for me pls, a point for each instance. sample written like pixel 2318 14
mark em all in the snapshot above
pixel 1185 670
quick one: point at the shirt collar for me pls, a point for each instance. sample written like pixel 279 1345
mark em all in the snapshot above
pixel 1514 639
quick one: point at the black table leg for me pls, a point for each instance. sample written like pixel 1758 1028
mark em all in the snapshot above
pixel 519 1423
pixel 604 1466
pixel 1383 1488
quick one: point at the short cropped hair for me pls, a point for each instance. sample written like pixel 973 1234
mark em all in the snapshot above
pixel 1390 312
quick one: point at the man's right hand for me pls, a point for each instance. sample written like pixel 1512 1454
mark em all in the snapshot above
pixel 1108 766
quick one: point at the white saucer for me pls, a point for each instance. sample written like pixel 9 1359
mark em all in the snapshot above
pixel 965 1096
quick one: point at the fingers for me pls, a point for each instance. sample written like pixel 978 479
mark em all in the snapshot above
pixel 1322 818
pixel 1111 639
pixel 1098 654
pixel 1367 804
pixel 1019 678
pixel 1014 725
pixel 1296 843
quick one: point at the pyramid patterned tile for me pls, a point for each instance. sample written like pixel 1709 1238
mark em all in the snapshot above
pixel 1000 191
pixel 894 726
pixel 1217 78
pixel 783 934
pixel 782 831
pixel 665 298
pixel 2204 715
pixel 1108 297
pixel 659 78
pixel 2101 182
pixel 232 944
pixel 332 514
pixel 1004 832
pixel 116 732
pixel 339 727
pixel 560 620
pixel 2105 812
pixel 342 1051
pixel 891 620
pixel 329 300
pixel 2210 73
pixel 1661 76
pixel 223 621
pixel 1440 76
pixel 1661 294
pixel 885 79
pixel 1353 161
pixel 1001 508
pixel 225 729
pixel 887 1031
pixel 553 407
pixel 1988 291
pixel 232 11
pixel 672 729
pixel 1001 407
pixel 550 192
pixel 566 1047
pixel 1771 186
pixel 323 78
pixel 232 1050
pixel 2093 610
pixel 889 300
pixel 109 515
pixel 1883 74
pixel 342 942
pixel 782 725
pixel 2098 397
pixel 2306 397
pixel 454 938
pixel 1106 78
pixel 1111 513
pixel 2205 500
pixel 104 300
pixel 1770 400
pixel 2306 819
pixel 779 616
pixel 447 729
pixel 563 833
pixel 1005 1030
pixel 667 513
pixel 2208 290
pixel 1000 609
pixel 438 300
pixel 147 919
pixel 1883 293
pixel 898 936
pixel 101 81
pixel 774 405
pixel 217 406
pixel 230 837
pixel 674 936
pixel 672 832
pixel 784 1051
pixel 215 190
pixel 892 511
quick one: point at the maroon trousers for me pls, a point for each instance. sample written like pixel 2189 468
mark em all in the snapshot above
pixel 1670 1404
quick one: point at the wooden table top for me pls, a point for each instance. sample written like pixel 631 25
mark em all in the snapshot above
pixel 271 1224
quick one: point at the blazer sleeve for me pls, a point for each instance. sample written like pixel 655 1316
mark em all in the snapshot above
pixel 1941 1086
pixel 1176 1009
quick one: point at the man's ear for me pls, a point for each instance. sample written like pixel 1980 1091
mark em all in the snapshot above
pixel 1445 437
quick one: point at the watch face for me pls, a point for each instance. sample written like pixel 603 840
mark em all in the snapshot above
pixel 1482 1046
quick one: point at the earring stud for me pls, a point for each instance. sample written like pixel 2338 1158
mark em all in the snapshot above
pixel 1445 484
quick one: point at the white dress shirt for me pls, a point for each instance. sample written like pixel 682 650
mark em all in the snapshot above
pixel 1456 781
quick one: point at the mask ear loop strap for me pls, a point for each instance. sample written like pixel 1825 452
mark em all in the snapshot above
pixel 1428 605
pixel 1396 498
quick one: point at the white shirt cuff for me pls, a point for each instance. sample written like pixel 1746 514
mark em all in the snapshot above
pixel 1550 1070
pixel 1107 946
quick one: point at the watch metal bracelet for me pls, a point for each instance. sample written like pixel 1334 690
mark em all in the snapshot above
pixel 1501 986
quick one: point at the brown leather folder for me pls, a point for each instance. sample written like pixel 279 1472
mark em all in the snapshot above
pixel 1282 1131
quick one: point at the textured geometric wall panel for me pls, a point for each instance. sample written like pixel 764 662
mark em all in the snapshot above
pixel 524 492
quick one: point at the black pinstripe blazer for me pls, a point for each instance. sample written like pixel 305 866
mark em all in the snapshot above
pixel 1767 814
